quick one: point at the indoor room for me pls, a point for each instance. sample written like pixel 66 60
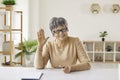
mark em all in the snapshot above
pixel 59 39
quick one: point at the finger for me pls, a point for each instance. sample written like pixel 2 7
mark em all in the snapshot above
pixel 42 34
pixel 38 34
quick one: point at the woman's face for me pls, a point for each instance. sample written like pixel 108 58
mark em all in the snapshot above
pixel 60 33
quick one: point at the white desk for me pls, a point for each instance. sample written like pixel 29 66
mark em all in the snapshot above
pixel 16 73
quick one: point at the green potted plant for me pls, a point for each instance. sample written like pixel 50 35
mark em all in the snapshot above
pixel 8 2
pixel 108 48
pixel 27 48
pixel 103 35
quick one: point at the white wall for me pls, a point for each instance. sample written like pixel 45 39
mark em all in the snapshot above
pixel 81 21
pixel 34 21
pixel 23 5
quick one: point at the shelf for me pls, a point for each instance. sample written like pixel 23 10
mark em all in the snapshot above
pixel 7 20
pixel 4 8
pixel 89 51
pixel 108 51
pixel 4 30
pixel 117 52
pixel 98 52
pixel 5 52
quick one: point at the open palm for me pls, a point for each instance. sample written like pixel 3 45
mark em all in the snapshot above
pixel 41 38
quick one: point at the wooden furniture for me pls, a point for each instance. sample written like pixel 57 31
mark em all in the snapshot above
pixel 7 29
pixel 98 51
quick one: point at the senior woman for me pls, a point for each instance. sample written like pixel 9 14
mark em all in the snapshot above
pixel 63 51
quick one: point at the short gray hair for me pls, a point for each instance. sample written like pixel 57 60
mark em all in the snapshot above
pixel 55 22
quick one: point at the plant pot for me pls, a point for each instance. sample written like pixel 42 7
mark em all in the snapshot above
pixel 9 7
pixel 29 60
pixel 103 39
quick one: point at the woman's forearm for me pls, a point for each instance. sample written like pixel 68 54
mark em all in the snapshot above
pixel 38 61
pixel 80 67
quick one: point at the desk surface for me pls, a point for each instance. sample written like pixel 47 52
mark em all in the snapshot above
pixel 16 73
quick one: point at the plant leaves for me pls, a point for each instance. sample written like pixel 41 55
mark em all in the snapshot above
pixel 28 47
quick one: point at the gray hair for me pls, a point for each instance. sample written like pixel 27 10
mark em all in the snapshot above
pixel 55 22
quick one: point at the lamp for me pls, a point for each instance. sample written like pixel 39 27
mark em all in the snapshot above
pixel 115 8
pixel 95 8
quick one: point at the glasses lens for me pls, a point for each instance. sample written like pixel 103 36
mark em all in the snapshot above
pixel 61 30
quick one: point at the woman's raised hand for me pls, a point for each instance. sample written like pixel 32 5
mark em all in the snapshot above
pixel 41 38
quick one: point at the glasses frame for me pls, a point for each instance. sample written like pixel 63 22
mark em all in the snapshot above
pixel 60 30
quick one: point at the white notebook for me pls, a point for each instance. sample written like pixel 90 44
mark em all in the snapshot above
pixel 33 78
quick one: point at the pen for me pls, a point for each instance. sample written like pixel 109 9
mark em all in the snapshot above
pixel 41 76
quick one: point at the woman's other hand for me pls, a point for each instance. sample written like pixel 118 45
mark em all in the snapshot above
pixel 67 69
pixel 41 38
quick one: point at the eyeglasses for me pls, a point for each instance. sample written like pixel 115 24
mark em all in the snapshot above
pixel 60 30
